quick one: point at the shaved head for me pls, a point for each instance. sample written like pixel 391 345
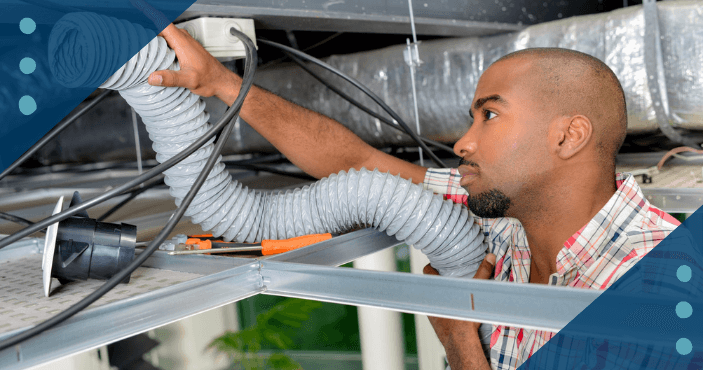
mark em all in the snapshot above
pixel 547 121
pixel 571 83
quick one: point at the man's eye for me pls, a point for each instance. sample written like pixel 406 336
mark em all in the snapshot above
pixel 489 115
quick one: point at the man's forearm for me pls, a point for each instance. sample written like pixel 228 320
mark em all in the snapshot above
pixel 461 343
pixel 317 144
pixel 460 338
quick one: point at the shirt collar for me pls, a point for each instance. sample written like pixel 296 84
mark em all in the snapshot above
pixel 587 245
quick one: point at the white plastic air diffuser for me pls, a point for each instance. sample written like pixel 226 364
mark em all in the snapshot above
pixel 215 36
pixel 49 247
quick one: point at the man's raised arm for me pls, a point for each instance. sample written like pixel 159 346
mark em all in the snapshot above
pixel 315 143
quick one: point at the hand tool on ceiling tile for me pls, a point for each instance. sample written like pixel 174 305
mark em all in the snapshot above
pixel 266 247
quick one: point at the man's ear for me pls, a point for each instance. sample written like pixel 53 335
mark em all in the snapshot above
pixel 570 135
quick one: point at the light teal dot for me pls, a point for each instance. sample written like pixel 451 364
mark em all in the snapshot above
pixel 684 273
pixel 684 310
pixel 27 105
pixel 684 346
pixel 27 26
pixel 27 65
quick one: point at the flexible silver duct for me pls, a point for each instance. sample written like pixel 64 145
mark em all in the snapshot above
pixel 175 118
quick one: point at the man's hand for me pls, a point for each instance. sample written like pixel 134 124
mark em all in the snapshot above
pixel 460 338
pixel 200 71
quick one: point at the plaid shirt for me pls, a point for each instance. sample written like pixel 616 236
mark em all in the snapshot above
pixel 622 232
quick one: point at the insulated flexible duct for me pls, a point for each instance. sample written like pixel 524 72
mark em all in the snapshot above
pixel 175 118
pixel 447 79
pixel 451 68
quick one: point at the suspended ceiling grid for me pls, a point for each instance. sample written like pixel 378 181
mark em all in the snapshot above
pixel 206 282
pixel 302 273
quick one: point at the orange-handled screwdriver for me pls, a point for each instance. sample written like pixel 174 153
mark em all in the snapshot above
pixel 267 247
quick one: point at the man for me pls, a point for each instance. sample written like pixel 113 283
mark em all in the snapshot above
pixel 537 167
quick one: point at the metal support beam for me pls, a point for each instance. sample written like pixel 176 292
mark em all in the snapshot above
pixel 541 307
pixel 346 20
pixel 112 322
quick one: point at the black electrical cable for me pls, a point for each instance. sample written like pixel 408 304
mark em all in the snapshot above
pixel 359 105
pixel 260 168
pixel 88 167
pixel 227 119
pixel 255 160
pixel 17 220
pixel 326 40
pixel 132 194
pixel 51 134
pixel 364 89
pixel 254 164
pixel 403 126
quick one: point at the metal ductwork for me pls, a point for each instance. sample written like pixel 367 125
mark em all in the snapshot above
pixel 447 80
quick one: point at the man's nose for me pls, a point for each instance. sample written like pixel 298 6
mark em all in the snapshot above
pixel 467 145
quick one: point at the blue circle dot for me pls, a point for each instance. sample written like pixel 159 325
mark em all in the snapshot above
pixel 684 310
pixel 684 346
pixel 684 273
pixel 27 105
pixel 27 65
pixel 27 26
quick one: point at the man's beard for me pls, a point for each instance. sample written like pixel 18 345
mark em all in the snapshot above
pixel 489 204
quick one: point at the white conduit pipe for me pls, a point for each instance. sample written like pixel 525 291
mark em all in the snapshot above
pixel 175 117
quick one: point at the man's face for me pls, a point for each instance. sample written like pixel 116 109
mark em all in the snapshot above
pixel 504 153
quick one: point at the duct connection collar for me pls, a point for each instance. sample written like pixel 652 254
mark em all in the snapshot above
pixel 80 247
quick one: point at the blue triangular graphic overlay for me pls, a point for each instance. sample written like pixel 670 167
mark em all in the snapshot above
pixel 53 54
pixel 651 318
